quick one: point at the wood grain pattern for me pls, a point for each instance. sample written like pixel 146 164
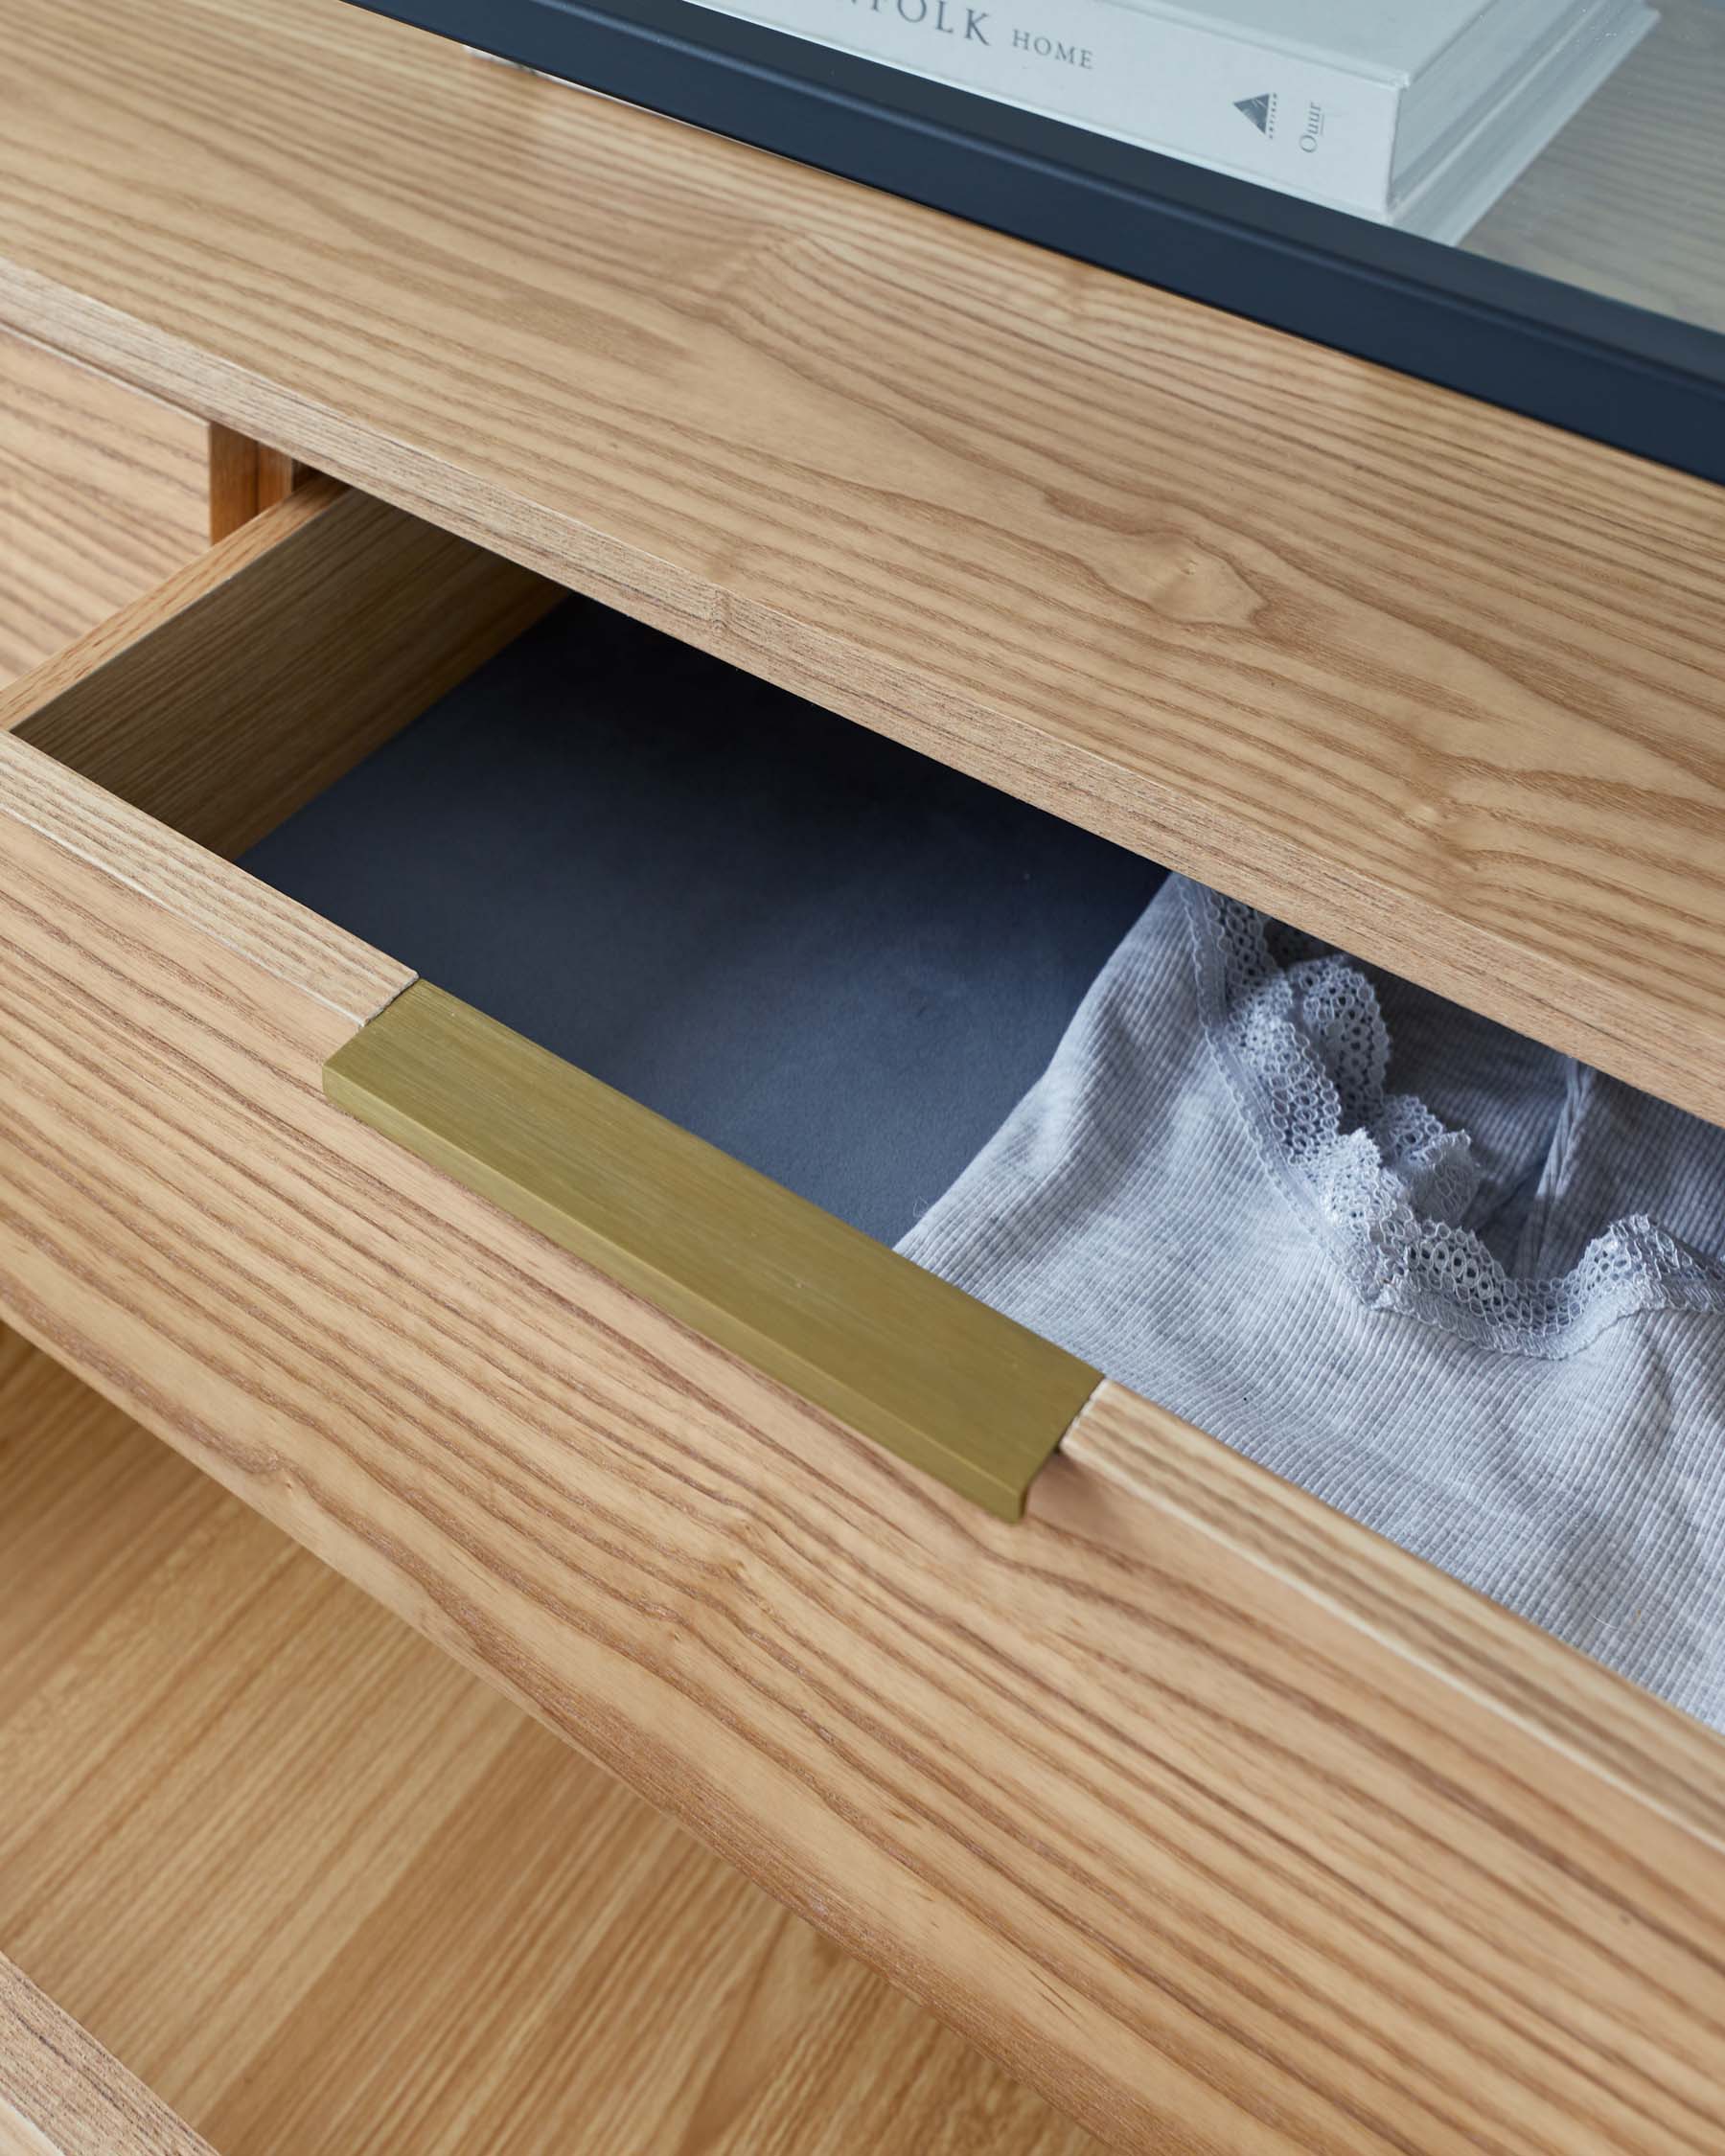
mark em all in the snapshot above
pixel 233 481
pixel 61 2095
pixel 1630 198
pixel 1123 1442
pixel 246 478
pixel 332 1894
pixel 907 1359
pixel 101 496
pixel 1202 1848
pixel 72 665
pixel 240 688
pixel 279 474
pixel 1425 679
pixel 281 940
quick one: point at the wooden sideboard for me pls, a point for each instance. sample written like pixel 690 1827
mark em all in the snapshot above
pixel 1220 1823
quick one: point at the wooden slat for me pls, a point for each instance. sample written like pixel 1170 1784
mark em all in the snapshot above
pixel 101 496
pixel 332 1894
pixel 233 481
pixel 242 686
pixel 1429 680
pixel 246 478
pixel 278 475
pixel 61 2095
pixel 1203 1849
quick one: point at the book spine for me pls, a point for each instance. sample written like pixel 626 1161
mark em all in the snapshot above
pixel 1229 101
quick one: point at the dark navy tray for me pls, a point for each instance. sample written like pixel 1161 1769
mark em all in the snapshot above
pixel 838 960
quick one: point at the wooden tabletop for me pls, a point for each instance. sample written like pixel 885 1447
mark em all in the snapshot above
pixel 1428 679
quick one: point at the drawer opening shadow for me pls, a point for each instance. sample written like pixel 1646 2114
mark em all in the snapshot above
pixel 835 958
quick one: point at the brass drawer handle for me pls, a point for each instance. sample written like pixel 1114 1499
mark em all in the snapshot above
pixel 902 1357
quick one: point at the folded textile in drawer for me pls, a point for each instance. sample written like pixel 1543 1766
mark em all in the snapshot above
pixel 1484 1313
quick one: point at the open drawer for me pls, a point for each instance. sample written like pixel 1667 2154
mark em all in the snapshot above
pixel 1220 1820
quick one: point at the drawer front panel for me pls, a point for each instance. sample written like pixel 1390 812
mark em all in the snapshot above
pixel 101 494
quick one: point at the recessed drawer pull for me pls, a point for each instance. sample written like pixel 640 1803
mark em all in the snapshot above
pixel 909 1361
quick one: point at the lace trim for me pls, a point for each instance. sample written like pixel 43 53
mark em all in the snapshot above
pixel 1300 1035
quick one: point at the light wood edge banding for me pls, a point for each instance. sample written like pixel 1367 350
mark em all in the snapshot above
pixel 284 939
pixel 62 2095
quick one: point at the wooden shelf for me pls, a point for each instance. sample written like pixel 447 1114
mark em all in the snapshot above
pixel 321 1889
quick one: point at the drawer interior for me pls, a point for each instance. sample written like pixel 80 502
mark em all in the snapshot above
pixel 836 960
pixel 320 1889
pixel 833 958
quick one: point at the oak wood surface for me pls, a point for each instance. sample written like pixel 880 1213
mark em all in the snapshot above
pixel 1124 1443
pixel 61 2093
pixel 1424 678
pixel 246 478
pixel 278 475
pixel 242 686
pixel 233 481
pixel 1204 1848
pixel 228 909
pixel 101 496
pixel 330 1893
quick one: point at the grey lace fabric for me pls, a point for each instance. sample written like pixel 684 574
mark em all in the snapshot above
pixel 1466 1290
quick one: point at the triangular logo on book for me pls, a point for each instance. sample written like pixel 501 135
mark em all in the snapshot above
pixel 1258 110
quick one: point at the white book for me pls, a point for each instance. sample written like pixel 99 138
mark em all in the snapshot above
pixel 1448 199
pixel 1355 103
